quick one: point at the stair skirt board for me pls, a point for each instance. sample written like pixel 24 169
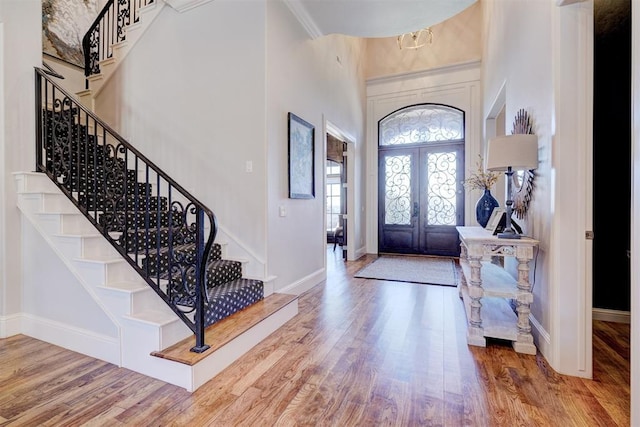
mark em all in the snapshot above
pixel 95 345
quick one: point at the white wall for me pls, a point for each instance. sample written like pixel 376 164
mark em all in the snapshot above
pixel 20 52
pixel 541 53
pixel 73 81
pixel 53 295
pixel 318 80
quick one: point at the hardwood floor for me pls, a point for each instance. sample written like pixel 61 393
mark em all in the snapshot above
pixel 360 353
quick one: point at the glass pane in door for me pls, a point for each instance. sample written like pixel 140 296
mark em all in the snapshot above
pixel 441 188
pixel 397 190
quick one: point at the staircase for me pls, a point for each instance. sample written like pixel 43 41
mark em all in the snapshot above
pixel 143 248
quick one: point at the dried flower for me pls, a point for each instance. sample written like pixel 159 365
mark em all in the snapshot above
pixel 481 180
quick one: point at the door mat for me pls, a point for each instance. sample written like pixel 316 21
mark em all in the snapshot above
pixel 414 269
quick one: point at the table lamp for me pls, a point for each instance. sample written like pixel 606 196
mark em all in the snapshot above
pixel 509 153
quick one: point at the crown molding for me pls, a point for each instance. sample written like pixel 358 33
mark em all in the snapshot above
pixel 302 15
pixel 567 2
pixel 472 66
pixel 184 5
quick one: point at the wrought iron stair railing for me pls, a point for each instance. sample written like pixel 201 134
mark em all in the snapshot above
pixel 107 30
pixel 162 230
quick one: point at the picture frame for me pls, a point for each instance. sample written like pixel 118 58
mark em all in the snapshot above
pixel 301 139
pixel 494 220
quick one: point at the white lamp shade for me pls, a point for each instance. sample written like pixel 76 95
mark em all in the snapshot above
pixel 520 151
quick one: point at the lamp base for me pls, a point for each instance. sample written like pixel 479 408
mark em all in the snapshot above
pixel 508 234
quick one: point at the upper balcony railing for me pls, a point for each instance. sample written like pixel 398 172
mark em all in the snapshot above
pixel 107 30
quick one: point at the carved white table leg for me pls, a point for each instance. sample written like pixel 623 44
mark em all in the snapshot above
pixel 462 280
pixel 524 342
pixel 475 332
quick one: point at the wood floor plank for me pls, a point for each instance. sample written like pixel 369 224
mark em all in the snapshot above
pixel 360 352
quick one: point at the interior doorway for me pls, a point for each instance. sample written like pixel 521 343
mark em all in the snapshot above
pixel 336 194
pixel 612 148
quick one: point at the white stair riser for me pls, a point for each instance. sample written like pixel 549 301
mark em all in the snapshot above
pixel 120 51
pixel 149 300
pixel 127 303
pixel 138 341
pixel 90 247
pixel 107 67
pixel 34 182
pixel 86 99
pixel 30 202
pixel 97 274
pixel 268 288
pixel 58 203
pixel 55 223
pixel 39 202
pixel 148 337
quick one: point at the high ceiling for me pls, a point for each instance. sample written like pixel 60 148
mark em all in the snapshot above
pixel 373 18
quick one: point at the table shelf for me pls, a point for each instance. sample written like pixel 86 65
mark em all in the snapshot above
pixel 498 318
pixel 496 282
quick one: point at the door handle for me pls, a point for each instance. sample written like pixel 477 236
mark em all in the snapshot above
pixel 416 209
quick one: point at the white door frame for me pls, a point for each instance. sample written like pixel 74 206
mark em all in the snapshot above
pixel 332 129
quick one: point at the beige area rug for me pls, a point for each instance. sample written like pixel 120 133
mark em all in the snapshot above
pixel 414 269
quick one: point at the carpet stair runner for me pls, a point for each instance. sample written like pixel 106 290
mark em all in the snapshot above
pixel 144 224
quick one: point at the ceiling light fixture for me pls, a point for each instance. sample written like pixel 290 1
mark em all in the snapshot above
pixel 415 39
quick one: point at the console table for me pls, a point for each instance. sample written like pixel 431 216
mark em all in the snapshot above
pixel 487 289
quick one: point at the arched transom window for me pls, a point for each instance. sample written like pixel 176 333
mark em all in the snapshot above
pixel 420 124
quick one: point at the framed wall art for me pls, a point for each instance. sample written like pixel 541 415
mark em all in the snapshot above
pixel 64 24
pixel 301 158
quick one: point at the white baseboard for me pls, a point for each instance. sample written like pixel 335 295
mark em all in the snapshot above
pixel 616 316
pixel 360 252
pixel 305 283
pixel 540 336
pixel 95 345
pixel 10 325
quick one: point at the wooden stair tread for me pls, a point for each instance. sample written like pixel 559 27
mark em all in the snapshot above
pixel 225 330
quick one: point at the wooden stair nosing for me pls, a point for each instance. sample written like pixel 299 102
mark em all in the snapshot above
pixel 224 331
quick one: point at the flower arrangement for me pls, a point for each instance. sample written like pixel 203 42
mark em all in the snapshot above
pixel 482 179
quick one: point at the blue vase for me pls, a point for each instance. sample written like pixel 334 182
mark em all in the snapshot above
pixel 484 207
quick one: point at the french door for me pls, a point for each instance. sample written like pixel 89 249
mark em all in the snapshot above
pixel 420 174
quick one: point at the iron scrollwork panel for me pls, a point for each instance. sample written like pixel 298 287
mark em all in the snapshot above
pixel 442 188
pixel 397 190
